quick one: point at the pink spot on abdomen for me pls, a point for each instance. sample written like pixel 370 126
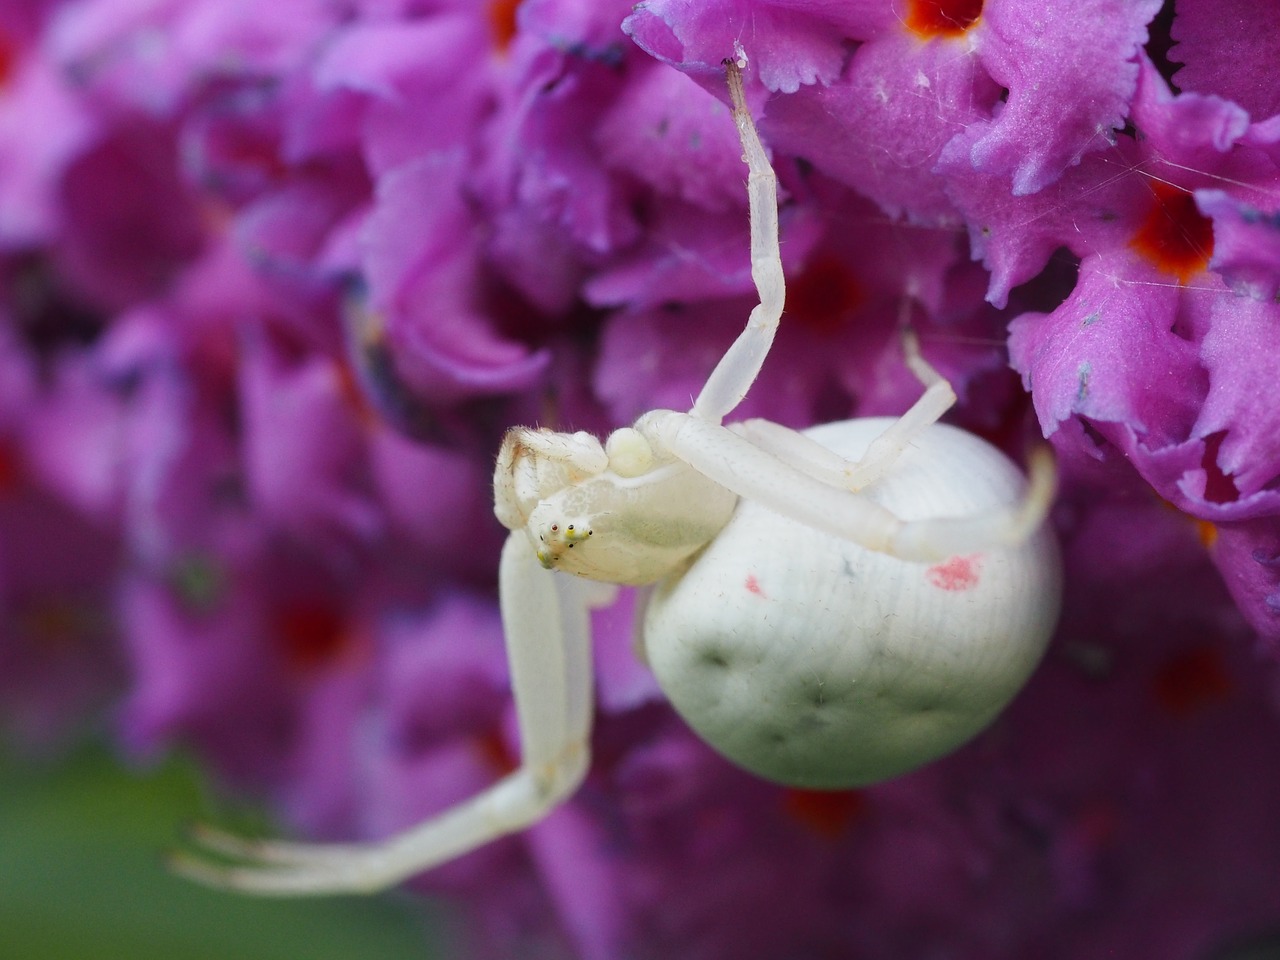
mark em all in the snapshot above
pixel 958 573
pixel 753 585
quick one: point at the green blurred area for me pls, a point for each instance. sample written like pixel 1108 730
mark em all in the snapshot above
pixel 82 877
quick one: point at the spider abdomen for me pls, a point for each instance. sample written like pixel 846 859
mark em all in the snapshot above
pixel 814 662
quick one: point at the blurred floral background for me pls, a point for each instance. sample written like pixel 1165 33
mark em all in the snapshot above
pixel 274 278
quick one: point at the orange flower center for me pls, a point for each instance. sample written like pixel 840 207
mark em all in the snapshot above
pixel 8 59
pixel 10 467
pixel 502 21
pixel 829 813
pixel 311 633
pixel 1191 681
pixel 1175 238
pixel 941 18
pixel 823 295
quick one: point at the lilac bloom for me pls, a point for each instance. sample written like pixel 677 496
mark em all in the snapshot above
pixel 33 93
pixel 426 280
pixel 304 455
pixel 59 662
pixel 1246 244
pixel 1226 49
pixel 845 303
pixel 793 44
pixel 196 662
pixel 1188 413
pixel 60 665
pixel 1022 92
pixel 555 205
pixel 150 54
pixel 73 439
pixel 393 73
pixel 277 279
pixel 128 222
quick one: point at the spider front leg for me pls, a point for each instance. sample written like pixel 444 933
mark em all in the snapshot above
pixel 740 365
pixel 816 460
pixel 545 618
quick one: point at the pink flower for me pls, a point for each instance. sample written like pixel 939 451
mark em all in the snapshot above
pixel 274 280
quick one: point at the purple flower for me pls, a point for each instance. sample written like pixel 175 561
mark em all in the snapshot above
pixel 1018 90
pixel 59 660
pixel 1153 350
pixel 273 281
pixel 32 93
pixel 1223 49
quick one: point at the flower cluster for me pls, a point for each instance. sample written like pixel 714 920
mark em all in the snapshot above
pixel 275 278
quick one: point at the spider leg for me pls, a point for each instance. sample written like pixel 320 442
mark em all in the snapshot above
pixel 816 460
pixel 793 447
pixel 642 598
pixel 740 365
pixel 732 460
pixel 545 618
pixel 943 537
pixel 937 399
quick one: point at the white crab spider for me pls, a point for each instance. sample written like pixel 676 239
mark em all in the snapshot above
pixel 832 608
